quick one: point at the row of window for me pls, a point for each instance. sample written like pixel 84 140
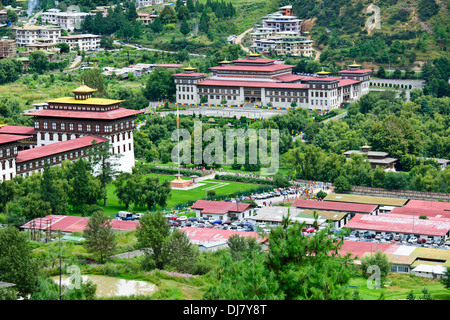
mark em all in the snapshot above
pixel 51 160
pixel 82 108
pixel 6 152
pixel 84 127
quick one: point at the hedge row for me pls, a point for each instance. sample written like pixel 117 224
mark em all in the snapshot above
pixel 148 169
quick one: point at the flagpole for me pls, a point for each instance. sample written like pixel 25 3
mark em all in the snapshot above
pixel 178 127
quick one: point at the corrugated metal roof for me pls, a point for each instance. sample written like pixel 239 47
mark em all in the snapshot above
pixel 365 199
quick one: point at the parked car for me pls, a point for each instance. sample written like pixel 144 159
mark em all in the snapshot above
pixel 388 237
pixel 397 237
pixel 124 215
pixel 137 216
pixel 430 241
pixel 182 218
pixel 378 236
pixel 412 239
pixel 421 240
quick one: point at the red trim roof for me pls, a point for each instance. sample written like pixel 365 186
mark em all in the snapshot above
pixel 425 204
pixel 56 148
pixel 346 82
pixel 355 71
pixel 358 248
pixel 334 206
pixel 258 84
pixel 105 115
pixel 75 223
pixel 219 207
pixel 320 79
pixel 437 213
pixel 193 74
pixel 288 77
pixel 396 223
pixel 8 138
pixel 17 130
pixel 268 68
pixel 259 60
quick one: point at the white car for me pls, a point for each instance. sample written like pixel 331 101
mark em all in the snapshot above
pixel 412 240
pixel 182 218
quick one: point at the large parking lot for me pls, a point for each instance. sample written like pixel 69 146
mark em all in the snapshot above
pixel 401 239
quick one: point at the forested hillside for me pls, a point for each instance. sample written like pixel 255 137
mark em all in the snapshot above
pixel 410 32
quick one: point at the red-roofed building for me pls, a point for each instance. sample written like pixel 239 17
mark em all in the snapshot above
pixel 33 160
pixel 426 204
pixel 9 147
pixel 351 208
pixel 265 82
pixel 70 118
pixel 413 211
pixel 435 228
pixel 222 210
pixel 212 239
pixel 69 224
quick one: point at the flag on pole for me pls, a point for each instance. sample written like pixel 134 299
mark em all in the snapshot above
pixel 178 119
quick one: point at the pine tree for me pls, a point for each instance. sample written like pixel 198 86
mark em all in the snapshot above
pixel 184 28
pixel 100 239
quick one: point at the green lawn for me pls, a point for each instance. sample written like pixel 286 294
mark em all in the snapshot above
pixel 181 196
pixel 399 285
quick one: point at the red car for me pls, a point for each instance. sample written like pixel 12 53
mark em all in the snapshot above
pixel 421 240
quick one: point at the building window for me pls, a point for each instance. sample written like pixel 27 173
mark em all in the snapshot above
pixel 45 125
pixel 71 126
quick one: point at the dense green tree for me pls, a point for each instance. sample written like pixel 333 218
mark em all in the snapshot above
pixel 152 234
pixel 105 165
pixel 94 79
pixel 17 263
pixel 184 28
pixel 179 253
pixel 100 238
pixel 308 267
pixel 160 85
pixel 39 62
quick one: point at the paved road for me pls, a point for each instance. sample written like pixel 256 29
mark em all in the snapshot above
pixel 75 64
pixel 228 112
pixel 239 38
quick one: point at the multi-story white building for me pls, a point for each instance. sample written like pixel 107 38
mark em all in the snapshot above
pixel 148 3
pixel 9 144
pixel 280 22
pixel 281 33
pixel 266 83
pixel 65 20
pixel 70 118
pixel 29 34
pixel 86 42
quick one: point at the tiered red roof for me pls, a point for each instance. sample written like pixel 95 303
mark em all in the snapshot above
pixel 257 84
pixel 355 71
pixel 264 68
pixel 100 115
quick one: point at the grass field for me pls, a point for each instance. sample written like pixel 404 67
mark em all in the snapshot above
pixel 399 285
pixel 181 196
